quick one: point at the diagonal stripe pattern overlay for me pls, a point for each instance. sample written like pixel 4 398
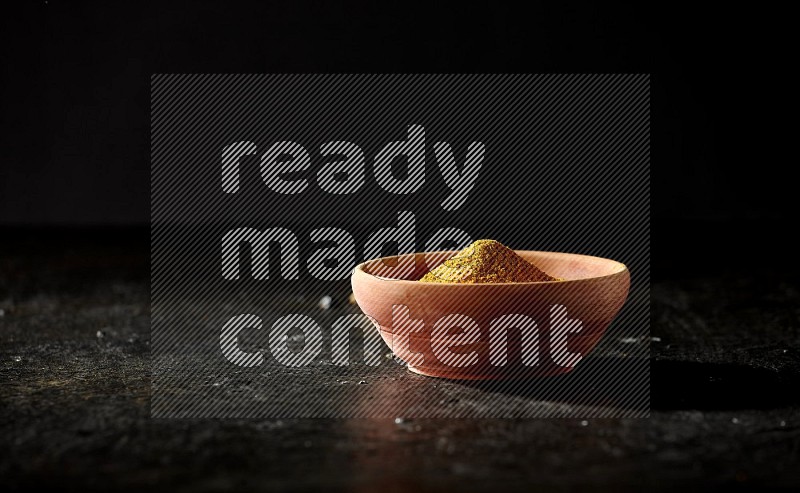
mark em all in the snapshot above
pixel 266 191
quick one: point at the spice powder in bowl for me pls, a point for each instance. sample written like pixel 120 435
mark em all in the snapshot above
pixel 487 261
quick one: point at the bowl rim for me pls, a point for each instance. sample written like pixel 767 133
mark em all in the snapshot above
pixel 620 268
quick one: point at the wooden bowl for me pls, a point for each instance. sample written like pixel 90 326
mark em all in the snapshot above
pixel 541 338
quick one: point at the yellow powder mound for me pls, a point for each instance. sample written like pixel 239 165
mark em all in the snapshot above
pixel 487 261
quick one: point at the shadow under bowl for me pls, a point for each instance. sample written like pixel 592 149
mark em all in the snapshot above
pixel 491 330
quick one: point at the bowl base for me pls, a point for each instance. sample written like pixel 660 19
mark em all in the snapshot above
pixel 489 376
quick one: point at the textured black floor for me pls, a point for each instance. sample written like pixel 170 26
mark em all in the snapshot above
pixel 74 412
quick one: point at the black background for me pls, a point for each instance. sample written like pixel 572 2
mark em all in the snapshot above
pixel 75 95
pixel 74 242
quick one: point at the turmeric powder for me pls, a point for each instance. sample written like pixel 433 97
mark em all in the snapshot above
pixel 487 261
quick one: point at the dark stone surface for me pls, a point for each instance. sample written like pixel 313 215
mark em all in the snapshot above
pixel 74 402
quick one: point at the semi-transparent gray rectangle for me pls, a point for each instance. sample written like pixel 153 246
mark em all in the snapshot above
pixel 565 167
